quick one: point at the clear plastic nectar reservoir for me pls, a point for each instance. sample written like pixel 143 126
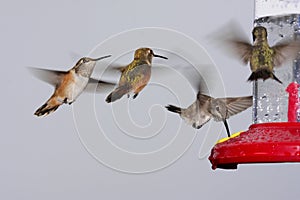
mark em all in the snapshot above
pixel 281 18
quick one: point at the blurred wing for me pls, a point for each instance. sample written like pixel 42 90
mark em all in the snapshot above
pixel 233 41
pixel 160 72
pixel 237 104
pixel 98 86
pixel 285 51
pixel 202 98
pixel 52 77
pixel 198 76
pixel 241 49
pixel 112 69
pixel 116 68
pixel 112 72
pixel 205 116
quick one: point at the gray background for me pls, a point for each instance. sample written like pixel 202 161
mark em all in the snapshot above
pixel 44 158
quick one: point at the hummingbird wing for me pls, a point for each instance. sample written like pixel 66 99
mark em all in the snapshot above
pixel 284 51
pixel 203 113
pixel 236 105
pixel 196 114
pixel 203 99
pixel 52 77
pixel 99 86
pixel 233 41
pixel 242 49
pixel 197 76
pixel 112 69
pixel 117 68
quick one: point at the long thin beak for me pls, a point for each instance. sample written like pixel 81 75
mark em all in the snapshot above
pixel 227 128
pixel 159 56
pixel 96 59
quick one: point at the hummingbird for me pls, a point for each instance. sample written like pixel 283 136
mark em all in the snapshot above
pixel 135 76
pixel 261 56
pixel 206 107
pixel 69 84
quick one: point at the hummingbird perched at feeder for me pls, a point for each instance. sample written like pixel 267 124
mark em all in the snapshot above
pixel 206 107
pixel 69 84
pixel 135 76
pixel 260 55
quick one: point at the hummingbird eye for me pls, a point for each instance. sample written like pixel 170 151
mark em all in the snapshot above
pixel 84 60
pixel 218 108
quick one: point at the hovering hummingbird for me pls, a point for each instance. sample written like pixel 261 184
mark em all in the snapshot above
pixel 69 84
pixel 206 107
pixel 135 76
pixel 261 56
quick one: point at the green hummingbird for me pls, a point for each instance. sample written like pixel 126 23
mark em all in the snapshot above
pixel 261 56
pixel 135 76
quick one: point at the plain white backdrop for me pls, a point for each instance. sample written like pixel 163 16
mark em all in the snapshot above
pixel 43 158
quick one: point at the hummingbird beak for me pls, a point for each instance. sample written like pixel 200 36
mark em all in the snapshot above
pixel 227 128
pixel 159 56
pixel 96 59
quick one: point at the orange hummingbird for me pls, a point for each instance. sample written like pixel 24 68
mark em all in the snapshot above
pixel 69 84
pixel 135 76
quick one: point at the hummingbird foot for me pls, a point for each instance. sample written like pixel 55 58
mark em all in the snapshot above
pixel 128 96
pixel 65 101
pixel 194 125
pixel 138 90
pixel 135 95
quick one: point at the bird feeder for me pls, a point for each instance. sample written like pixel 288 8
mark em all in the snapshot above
pixel 274 136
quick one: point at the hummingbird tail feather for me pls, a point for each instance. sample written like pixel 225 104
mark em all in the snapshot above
pixel 174 109
pixel 50 106
pixel 263 74
pixel 116 94
pixel 275 78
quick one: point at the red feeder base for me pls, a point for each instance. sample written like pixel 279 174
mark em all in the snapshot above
pixel 262 143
